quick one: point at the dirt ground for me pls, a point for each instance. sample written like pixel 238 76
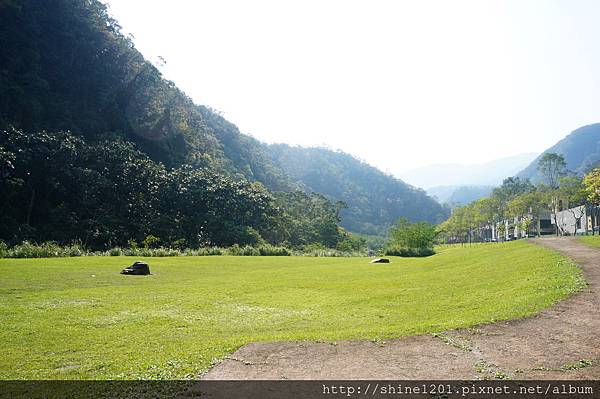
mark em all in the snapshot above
pixel 557 343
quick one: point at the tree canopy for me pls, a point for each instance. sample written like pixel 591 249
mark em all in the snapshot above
pixel 591 183
pixel 553 167
pixel 411 239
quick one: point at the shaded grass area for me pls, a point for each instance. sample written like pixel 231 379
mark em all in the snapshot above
pixel 78 318
pixel 592 241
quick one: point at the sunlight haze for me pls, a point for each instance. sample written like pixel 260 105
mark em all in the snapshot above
pixel 399 84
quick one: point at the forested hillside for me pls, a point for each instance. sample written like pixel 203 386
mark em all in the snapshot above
pixel 96 146
pixel 374 200
pixel 66 66
pixel 246 154
pixel 581 150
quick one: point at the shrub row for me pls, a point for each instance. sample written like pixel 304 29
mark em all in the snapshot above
pixel 53 250
pixel 45 250
pixel 409 252
pixel 328 252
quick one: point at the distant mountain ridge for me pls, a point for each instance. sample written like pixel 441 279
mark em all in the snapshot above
pixel 459 195
pixel 581 149
pixel 490 173
pixel 374 199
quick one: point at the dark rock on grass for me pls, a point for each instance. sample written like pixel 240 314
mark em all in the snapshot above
pixel 137 269
pixel 380 260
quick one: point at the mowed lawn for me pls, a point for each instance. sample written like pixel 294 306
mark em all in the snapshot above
pixel 78 318
pixel 592 241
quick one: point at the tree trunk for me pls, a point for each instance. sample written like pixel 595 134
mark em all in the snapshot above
pixel 30 207
pixel 555 213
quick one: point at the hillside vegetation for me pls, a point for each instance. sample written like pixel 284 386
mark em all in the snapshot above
pixel 373 199
pixel 580 149
pixel 69 74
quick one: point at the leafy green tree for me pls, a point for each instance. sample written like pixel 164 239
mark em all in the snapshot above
pixel 530 207
pixel 591 183
pixel 412 239
pixel 351 242
pixel 485 215
pixel 511 187
pixel 553 167
pixel 572 191
pixel 573 195
pixel 309 218
pixel 455 227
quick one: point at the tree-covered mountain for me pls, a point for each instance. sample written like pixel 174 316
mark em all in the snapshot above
pixel 374 199
pixel 68 73
pixel 96 146
pixel 581 150
pixel 67 66
pixel 245 154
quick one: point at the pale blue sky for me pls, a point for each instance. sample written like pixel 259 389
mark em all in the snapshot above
pixel 400 84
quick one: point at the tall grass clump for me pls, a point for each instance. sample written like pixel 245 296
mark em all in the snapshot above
pixel 246 250
pixel 408 252
pixel 3 249
pixel 74 249
pixel 116 251
pixel 271 250
pixel 318 250
pixel 204 251
pixel 30 250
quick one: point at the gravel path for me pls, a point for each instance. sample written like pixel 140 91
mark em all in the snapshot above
pixel 557 343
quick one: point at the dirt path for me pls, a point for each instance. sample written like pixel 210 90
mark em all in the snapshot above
pixel 555 344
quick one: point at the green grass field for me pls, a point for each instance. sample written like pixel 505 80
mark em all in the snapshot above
pixel 78 318
pixel 592 241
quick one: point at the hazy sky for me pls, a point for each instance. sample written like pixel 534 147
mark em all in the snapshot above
pixel 400 84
